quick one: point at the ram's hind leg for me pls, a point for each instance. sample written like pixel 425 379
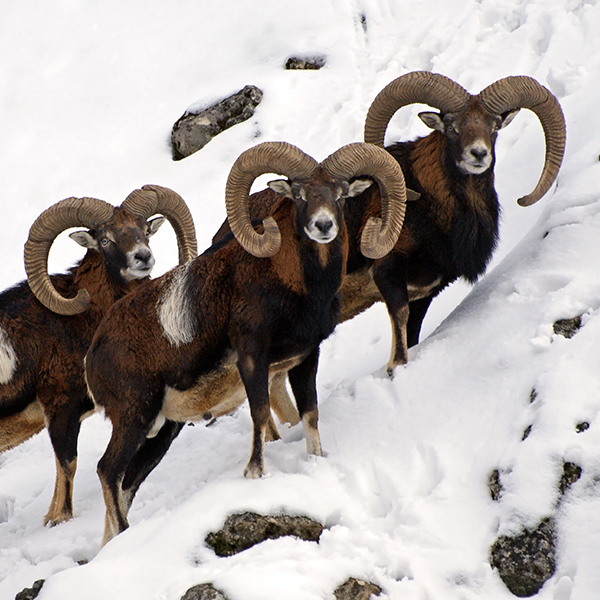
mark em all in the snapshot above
pixel 303 379
pixel 390 278
pixel 112 467
pixel 254 371
pixel 61 505
pixel 148 455
pixel 64 416
pixel 418 310
pixel 281 403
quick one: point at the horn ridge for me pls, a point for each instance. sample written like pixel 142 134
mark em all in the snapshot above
pixel 71 212
pixel 155 199
pixel 379 236
pixel 522 91
pixel 417 87
pixel 268 157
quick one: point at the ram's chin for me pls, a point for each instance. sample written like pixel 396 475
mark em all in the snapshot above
pixel 468 169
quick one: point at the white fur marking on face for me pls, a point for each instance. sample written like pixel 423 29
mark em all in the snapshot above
pixel 319 235
pixel 8 358
pixel 476 158
pixel 137 268
pixel 174 309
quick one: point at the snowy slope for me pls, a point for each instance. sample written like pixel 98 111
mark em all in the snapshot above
pixel 89 94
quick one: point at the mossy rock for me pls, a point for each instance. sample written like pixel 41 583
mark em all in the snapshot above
pixel 244 530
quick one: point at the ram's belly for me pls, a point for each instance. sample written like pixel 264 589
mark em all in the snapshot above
pixel 359 292
pixel 217 393
pixel 424 289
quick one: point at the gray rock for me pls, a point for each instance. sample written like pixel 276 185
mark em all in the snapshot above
pixel 567 327
pixel 306 63
pixel 244 530
pixel 526 561
pixel 195 129
pixel 32 592
pixel 204 591
pixel 355 589
pixel 571 474
pixel 495 485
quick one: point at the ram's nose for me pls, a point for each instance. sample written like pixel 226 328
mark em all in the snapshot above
pixel 143 259
pixel 324 225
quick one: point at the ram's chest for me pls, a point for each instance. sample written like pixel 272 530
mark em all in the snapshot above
pixel 214 394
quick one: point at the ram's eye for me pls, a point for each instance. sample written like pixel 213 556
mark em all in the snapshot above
pixel 104 242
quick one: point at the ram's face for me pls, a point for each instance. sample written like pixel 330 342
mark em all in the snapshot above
pixel 470 135
pixel 123 243
pixel 319 209
pixel 320 203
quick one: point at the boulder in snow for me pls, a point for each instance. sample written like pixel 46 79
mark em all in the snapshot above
pixel 243 530
pixel 204 591
pixel 355 589
pixel 196 128
pixel 526 561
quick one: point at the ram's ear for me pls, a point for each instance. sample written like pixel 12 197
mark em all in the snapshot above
pixel 433 120
pixel 281 186
pixel 507 117
pixel 358 186
pixel 85 239
pixel 154 225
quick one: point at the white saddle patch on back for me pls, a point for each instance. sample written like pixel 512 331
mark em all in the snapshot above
pixel 175 310
pixel 8 358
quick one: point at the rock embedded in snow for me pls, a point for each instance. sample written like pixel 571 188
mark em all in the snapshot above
pixel 307 63
pixel 204 591
pixel 567 327
pixel 571 474
pixel 195 128
pixel 355 589
pixel 244 530
pixel 526 561
pixel 495 485
pixel 32 592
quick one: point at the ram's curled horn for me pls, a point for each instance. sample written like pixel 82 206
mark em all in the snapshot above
pixel 447 96
pixel 418 87
pixel 154 199
pixel 525 92
pixel 379 236
pixel 72 212
pixel 269 157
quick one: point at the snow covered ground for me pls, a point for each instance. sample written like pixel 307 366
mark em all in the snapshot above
pixel 89 92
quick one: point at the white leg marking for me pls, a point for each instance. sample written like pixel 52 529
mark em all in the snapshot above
pixel 156 426
pixel 311 434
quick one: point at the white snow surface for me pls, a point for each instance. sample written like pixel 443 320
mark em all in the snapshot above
pixel 89 92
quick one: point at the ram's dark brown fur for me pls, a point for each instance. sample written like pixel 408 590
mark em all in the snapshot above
pixel 450 231
pixel 243 319
pixel 46 386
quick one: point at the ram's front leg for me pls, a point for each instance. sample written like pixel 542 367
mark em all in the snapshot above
pixel 254 370
pixel 303 379
pixel 389 275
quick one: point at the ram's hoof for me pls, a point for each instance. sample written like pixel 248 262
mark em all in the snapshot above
pixel 253 472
